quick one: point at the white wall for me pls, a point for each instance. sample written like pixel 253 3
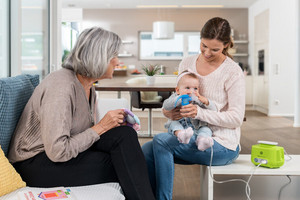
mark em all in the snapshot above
pixel 283 49
pixel 128 22
pixel 71 15
pixel 282 52
pixel 297 87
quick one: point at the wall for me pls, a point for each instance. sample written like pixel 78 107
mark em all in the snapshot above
pixel 127 23
pixel 297 87
pixel 282 53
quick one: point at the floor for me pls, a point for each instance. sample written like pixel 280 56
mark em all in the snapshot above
pixel 256 127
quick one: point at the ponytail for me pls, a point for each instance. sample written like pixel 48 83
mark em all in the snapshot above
pixel 225 50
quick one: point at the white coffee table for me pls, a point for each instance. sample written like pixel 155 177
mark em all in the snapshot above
pixel 244 166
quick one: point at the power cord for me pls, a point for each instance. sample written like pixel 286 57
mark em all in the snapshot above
pixel 290 158
pixel 288 176
pixel 247 187
pixel 290 180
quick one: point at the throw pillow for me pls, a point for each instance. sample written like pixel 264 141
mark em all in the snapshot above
pixel 14 94
pixel 10 180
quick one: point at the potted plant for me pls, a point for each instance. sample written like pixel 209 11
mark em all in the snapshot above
pixel 150 71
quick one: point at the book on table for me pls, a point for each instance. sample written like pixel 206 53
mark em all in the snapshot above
pixel 46 194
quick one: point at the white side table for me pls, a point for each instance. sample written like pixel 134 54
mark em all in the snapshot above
pixel 243 166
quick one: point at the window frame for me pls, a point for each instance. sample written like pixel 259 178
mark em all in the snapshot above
pixel 186 34
pixel 5 38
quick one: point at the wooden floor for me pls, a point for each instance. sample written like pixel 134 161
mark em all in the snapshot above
pixel 256 127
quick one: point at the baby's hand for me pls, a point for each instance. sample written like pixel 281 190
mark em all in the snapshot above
pixel 202 98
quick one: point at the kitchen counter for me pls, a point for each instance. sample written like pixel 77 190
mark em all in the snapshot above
pixel 158 79
pixel 137 83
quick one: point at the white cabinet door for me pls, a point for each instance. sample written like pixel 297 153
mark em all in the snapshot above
pixel 261 78
pixel 249 90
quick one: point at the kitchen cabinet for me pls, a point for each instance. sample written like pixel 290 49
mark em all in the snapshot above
pixel 124 53
pixel 249 90
pixel 237 44
pixel 241 53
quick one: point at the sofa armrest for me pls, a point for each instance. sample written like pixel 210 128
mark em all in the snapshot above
pixel 106 104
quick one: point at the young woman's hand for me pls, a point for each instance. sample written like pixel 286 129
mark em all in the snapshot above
pixel 189 110
pixel 172 114
pixel 110 120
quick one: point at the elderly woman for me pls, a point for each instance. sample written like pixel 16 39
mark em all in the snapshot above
pixel 57 141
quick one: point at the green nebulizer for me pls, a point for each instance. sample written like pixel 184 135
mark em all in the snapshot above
pixel 268 154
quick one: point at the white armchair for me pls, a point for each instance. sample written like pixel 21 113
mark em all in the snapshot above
pixel 106 104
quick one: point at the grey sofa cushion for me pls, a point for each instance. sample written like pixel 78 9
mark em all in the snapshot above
pixel 14 94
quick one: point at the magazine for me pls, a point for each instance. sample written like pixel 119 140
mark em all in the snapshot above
pixel 46 194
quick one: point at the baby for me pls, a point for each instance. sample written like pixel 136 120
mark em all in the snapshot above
pixel 188 83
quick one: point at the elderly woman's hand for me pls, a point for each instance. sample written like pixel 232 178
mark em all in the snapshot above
pixel 172 114
pixel 110 120
pixel 189 110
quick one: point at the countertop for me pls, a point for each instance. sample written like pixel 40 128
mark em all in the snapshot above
pixel 137 83
pixel 167 78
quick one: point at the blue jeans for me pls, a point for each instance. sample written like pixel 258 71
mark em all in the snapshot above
pixel 164 150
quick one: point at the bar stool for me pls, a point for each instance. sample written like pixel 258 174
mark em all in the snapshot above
pixel 137 102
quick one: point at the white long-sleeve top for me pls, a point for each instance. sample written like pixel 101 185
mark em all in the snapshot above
pixel 226 87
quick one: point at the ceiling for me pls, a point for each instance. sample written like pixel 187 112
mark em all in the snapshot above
pixel 127 4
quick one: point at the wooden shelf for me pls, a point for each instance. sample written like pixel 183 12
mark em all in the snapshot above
pixel 127 42
pixel 240 41
pixel 125 55
pixel 240 54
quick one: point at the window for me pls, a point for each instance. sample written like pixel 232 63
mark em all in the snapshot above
pixel 70 32
pixel 183 44
pixel 34 37
pixel 4 52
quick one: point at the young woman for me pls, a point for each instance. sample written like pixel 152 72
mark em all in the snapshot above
pixel 222 81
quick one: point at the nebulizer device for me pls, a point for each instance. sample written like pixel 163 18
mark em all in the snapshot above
pixel 267 154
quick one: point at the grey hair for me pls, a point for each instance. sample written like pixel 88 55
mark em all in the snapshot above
pixel 94 49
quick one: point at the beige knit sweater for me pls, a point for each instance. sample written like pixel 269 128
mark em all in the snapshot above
pixel 226 87
pixel 57 119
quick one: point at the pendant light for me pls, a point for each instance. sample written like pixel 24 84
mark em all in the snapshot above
pixel 163 30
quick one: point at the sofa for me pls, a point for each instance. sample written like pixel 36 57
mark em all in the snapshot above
pixel 14 94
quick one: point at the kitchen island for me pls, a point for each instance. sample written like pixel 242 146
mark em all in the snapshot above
pixel 162 83
pixel 125 84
